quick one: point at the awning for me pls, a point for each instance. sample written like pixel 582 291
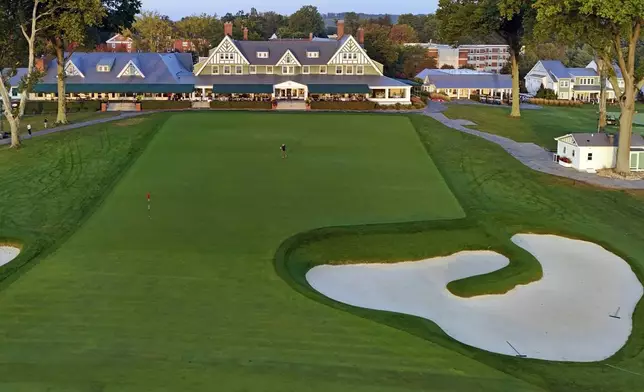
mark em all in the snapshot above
pixel 142 88
pixel 338 89
pixel 242 88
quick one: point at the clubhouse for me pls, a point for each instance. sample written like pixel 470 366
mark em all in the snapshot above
pixel 293 70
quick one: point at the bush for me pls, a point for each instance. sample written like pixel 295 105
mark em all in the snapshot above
pixel 240 105
pixel 546 93
pixel 439 97
pixel 165 105
pixel 565 160
pixel 475 97
pixel 555 102
pixel 366 105
pixel 46 107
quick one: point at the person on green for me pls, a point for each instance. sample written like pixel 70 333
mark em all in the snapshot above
pixel 283 149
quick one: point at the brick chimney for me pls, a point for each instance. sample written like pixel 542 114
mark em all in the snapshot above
pixel 245 33
pixel 310 36
pixel 340 29
pixel 611 139
pixel 361 36
pixel 228 29
pixel 41 64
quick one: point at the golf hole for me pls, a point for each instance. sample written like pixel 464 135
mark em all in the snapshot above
pixel 581 310
pixel 8 253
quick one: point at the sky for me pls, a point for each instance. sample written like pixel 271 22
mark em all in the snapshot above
pixel 177 9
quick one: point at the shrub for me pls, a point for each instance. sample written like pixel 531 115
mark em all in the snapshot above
pixel 323 105
pixel 546 93
pixel 439 97
pixel 240 105
pixel 565 159
pixel 165 105
pixel 46 107
pixel 555 102
pixel 475 97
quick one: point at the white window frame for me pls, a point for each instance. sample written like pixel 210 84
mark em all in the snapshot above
pixel 239 69
pixel 227 70
pixel 313 55
pixel 252 69
pixel 339 68
pixel 590 156
pixel 323 69
pixel 221 56
pixel 215 70
pixel 269 70
pixel 348 70
pixel 262 55
pixel 360 70
pixel 306 69
pixel 565 83
pixel 290 70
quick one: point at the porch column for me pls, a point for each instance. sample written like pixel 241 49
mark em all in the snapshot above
pixel 386 93
pixel 469 93
pixel 502 91
pixel 458 93
pixel 492 93
pixel 203 93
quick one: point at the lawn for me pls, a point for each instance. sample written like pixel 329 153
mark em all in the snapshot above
pixel 208 290
pixel 37 121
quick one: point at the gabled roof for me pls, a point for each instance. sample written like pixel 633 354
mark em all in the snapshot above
pixel 600 139
pixel 582 72
pixel 107 60
pixel 15 80
pixel 76 62
pixel 118 38
pixel 277 48
pixel 556 69
pixel 470 80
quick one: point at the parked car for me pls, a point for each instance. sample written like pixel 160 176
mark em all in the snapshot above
pixel 5 135
pixel 612 120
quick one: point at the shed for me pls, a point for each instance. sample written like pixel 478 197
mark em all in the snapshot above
pixel 590 152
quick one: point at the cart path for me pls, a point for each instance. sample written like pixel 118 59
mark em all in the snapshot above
pixel 530 154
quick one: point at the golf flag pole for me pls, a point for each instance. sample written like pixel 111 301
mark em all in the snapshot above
pixel 149 206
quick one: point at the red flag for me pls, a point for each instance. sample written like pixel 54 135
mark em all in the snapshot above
pixel 148 196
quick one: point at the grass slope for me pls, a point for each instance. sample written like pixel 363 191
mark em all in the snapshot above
pixel 501 197
pixel 189 299
pixel 37 121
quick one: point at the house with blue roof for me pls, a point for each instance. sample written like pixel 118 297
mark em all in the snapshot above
pixel 463 83
pixel 14 82
pixel 580 84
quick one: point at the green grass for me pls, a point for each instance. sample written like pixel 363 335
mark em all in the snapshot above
pixel 37 121
pixel 209 292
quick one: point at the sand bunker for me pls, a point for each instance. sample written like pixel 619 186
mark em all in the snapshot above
pixel 8 253
pixel 580 311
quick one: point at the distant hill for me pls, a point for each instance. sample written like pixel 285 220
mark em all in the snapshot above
pixel 330 18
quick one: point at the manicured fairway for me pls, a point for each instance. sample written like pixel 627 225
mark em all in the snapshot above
pixel 189 299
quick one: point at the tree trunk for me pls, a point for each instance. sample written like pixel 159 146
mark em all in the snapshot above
pixel 61 117
pixel 14 121
pixel 516 99
pixel 602 95
pixel 627 104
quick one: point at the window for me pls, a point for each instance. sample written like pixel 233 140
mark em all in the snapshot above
pixel 184 44
pixel 71 70
pixel 113 46
pixel 221 56
pixel 130 71
pixel 288 70
pixel 262 55
pixel 565 83
pixel 215 70
pixel 226 69
pixel 345 56
pixel 252 69
pixel 239 70
pixel 269 69
pixel 355 56
pixel 360 70
pixel 338 70
pixel 590 156
pixel 103 68
pixel 323 69
pixel 306 70
pixel 564 150
pixel 349 70
pixel 573 153
pixel 313 55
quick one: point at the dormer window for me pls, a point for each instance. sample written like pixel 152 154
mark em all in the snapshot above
pixel 313 54
pixel 262 55
pixel 102 68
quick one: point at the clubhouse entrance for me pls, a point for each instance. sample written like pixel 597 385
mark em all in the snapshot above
pixel 290 91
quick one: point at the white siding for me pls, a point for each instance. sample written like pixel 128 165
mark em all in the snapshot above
pixel 603 158
pixel 570 151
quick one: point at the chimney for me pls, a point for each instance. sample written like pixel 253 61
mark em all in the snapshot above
pixel 361 36
pixel 245 33
pixel 310 36
pixel 40 64
pixel 228 29
pixel 340 29
pixel 611 139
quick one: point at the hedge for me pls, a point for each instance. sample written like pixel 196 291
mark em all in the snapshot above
pixel 555 102
pixel 44 107
pixel 440 97
pixel 367 105
pixel 240 105
pixel 161 105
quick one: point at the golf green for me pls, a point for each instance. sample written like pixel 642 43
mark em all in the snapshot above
pixel 186 296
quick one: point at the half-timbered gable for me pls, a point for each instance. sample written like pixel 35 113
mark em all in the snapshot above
pixel 225 54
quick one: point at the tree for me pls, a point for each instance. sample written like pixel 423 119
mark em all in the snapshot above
pixel 67 25
pixel 18 19
pixel 152 32
pixel 412 60
pixel 269 23
pixel 379 46
pixel 202 30
pixel 614 29
pixel 401 34
pixel 351 23
pixel 467 66
pixel 447 66
pixel 430 30
pixel 506 20
pixel 307 20
pixel 119 15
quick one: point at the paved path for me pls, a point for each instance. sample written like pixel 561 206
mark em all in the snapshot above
pixel 76 125
pixel 530 154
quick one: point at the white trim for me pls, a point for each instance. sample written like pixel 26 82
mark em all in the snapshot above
pixel 326 68
pixel 75 67
pixel 111 40
pixel 272 68
pixel 237 68
pixel 306 69
pixel 252 69
pixel 347 68
pixel 341 67
pixel 214 67
pixel 214 52
pixel 364 52
pixel 126 65
pixel 229 70
pixel 360 70
pixel 288 51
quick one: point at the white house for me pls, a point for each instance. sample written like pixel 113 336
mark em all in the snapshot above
pixel 14 82
pixel 463 83
pixel 590 152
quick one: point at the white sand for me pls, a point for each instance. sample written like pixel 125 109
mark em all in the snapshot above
pixel 563 317
pixel 8 253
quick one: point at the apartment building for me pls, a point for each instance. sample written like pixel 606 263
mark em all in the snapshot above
pixel 485 58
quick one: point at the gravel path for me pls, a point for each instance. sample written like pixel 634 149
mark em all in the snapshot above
pixel 530 154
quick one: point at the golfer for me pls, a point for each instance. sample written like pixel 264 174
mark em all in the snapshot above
pixel 283 149
pixel 29 129
pixel 45 123
pixel 149 205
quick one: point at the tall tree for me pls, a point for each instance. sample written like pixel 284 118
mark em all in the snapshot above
pixel 19 19
pixel 152 32
pixel 379 46
pixel 307 20
pixel 119 14
pixel 402 33
pixel 202 30
pixel 271 23
pixel 412 60
pixel 505 20
pixel 615 27
pixel 351 23
pixel 67 27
